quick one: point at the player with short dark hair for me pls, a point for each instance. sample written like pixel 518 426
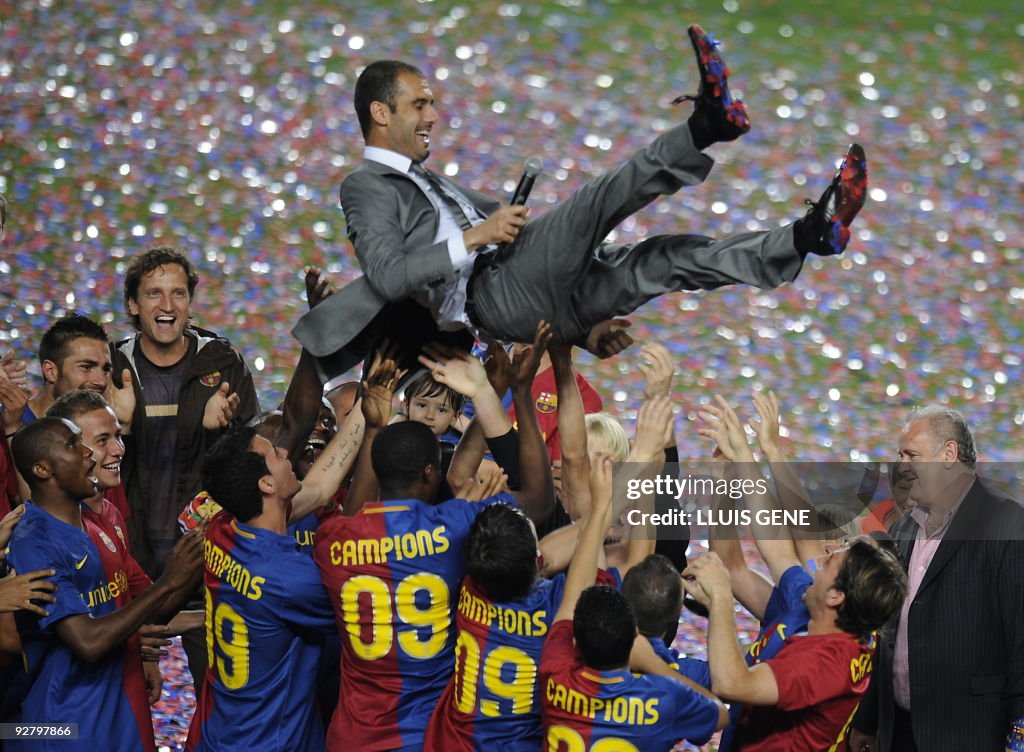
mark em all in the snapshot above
pixel 75 655
pixel 393 568
pixel 589 694
pixel 266 608
pixel 655 591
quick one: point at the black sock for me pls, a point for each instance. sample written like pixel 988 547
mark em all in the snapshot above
pixel 803 236
pixel 700 131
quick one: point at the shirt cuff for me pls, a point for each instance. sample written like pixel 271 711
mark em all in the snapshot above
pixel 457 252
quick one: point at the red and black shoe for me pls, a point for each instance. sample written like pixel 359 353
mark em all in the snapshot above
pixel 723 118
pixel 825 229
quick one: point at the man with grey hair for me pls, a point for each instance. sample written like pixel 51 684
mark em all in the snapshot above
pixel 949 673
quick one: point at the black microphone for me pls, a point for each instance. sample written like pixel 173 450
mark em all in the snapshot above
pixel 531 170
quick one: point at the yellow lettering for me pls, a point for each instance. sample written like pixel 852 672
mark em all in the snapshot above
pixel 255 592
pixel 438 534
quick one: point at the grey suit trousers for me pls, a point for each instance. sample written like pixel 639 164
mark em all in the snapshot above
pixel 559 270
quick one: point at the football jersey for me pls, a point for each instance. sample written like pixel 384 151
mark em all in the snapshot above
pixel 620 710
pixel 266 616
pixel 393 572
pixel 784 616
pixel 492 701
pixel 106 530
pixel 693 669
pixel 62 687
pixel 820 679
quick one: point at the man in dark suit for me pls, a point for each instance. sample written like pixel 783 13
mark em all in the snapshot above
pixel 949 673
pixel 435 252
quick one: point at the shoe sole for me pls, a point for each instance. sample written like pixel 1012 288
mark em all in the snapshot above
pixel 714 72
pixel 850 184
pixel 852 180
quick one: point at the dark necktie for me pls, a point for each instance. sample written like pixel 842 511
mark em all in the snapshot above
pixel 444 193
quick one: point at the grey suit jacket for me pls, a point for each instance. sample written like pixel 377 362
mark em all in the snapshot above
pixel 392 225
pixel 965 631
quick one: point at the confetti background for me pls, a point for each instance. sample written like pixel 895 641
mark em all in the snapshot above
pixel 225 128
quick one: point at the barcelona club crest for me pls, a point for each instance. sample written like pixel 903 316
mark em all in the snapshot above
pixel 107 542
pixel 211 379
pixel 546 403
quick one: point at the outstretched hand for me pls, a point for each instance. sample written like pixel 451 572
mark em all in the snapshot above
pixel 317 289
pixel 767 430
pixel 653 428
pixel 657 368
pixel 609 338
pixel 498 366
pixel 16 370
pixel 707 578
pixel 379 385
pixel 14 401
pixel 722 425
pixel 456 369
pixel 220 408
pixel 527 360
pixel 122 399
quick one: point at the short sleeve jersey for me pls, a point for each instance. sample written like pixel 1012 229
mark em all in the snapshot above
pixel 492 701
pixel 62 687
pixel 821 679
pixel 266 616
pixel 625 711
pixel 106 529
pixel 784 616
pixel 393 572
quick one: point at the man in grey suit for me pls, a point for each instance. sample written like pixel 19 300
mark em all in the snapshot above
pixel 435 252
pixel 949 672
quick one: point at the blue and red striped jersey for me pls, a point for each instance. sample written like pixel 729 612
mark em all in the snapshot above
pixel 62 687
pixel 625 711
pixel 106 529
pixel 266 616
pixel 784 616
pixel 393 571
pixel 492 701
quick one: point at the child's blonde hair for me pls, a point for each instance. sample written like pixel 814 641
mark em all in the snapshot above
pixel 606 435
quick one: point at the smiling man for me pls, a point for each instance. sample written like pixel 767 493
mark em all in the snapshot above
pixel 189 383
pixel 75 657
pixel 435 253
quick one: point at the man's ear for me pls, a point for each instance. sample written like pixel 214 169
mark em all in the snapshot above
pixel 835 598
pixel 133 307
pixel 950 453
pixel 430 473
pixel 51 372
pixel 267 485
pixel 380 113
pixel 42 470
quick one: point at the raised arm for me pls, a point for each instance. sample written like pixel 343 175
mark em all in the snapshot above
pixel 653 425
pixel 376 404
pixel 774 543
pixel 583 569
pixel 328 472
pixel 572 434
pixel 537 496
pixel 707 580
pixel 301 407
pixel 751 589
pixel 791 492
